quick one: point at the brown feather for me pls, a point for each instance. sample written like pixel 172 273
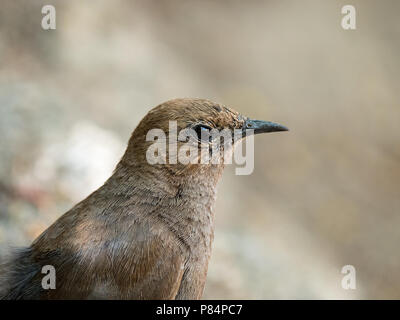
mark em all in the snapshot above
pixel 145 234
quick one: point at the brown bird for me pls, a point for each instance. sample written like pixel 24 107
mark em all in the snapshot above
pixel 147 232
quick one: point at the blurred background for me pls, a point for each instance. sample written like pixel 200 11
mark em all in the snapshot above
pixel 324 195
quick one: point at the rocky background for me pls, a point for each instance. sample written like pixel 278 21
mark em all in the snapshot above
pixel 324 195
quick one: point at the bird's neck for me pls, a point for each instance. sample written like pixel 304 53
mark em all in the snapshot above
pixel 161 182
pixel 184 203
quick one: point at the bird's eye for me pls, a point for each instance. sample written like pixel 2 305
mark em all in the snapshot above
pixel 203 132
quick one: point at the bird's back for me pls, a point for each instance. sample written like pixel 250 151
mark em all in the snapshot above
pixel 109 246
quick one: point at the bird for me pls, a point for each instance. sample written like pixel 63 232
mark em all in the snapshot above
pixel 147 232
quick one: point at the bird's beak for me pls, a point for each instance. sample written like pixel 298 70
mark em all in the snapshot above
pixel 260 126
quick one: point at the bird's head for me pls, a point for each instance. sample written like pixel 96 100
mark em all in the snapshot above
pixel 169 135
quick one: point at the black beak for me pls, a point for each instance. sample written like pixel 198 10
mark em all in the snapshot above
pixel 260 126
